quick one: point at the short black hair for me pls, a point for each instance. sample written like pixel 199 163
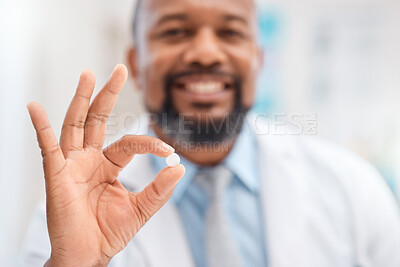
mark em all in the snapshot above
pixel 135 21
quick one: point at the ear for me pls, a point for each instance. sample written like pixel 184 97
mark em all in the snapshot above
pixel 132 60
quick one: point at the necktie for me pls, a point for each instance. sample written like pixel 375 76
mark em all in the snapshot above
pixel 220 245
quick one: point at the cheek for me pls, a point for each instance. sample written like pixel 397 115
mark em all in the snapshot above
pixel 246 64
pixel 154 94
pixel 155 66
pixel 249 90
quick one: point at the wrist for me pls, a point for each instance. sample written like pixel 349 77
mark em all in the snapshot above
pixel 53 262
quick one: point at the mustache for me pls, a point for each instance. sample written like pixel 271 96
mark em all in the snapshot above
pixel 170 79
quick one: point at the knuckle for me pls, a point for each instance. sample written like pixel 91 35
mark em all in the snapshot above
pixel 108 89
pixel 84 97
pixel 45 128
pixel 150 202
pixel 156 193
pixel 142 212
pixel 79 124
pixel 96 118
pixel 50 150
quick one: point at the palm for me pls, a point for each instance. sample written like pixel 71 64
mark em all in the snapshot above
pixel 90 215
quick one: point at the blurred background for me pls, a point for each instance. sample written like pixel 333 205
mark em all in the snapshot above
pixel 337 59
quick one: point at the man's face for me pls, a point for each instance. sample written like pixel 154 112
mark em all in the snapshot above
pixel 193 52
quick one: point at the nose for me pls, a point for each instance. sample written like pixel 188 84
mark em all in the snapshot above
pixel 204 51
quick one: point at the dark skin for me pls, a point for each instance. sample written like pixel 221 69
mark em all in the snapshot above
pixel 175 36
pixel 90 215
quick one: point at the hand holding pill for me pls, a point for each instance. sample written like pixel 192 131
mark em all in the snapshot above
pixel 77 165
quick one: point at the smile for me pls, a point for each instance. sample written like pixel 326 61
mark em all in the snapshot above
pixel 204 83
pixel 205 87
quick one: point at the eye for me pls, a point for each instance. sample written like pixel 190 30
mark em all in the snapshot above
pixel 176 32
pixel 231 33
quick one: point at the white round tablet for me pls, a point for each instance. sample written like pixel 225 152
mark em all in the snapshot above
pixel 173 160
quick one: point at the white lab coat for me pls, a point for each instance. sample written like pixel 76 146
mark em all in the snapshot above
pixel 322 207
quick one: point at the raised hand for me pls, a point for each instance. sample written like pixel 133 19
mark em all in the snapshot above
pixel 90 215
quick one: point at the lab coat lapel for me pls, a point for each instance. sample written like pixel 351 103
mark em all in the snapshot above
pixel 283 192
pixel 164 241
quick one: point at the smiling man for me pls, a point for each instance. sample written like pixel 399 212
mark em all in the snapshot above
pixel 246 199
pixel 199 59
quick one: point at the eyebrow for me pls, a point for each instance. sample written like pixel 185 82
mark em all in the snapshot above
pixel 235 17
pixel 171 17
pixel 183 17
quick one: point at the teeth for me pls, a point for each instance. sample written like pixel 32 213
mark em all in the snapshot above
pixel 205 87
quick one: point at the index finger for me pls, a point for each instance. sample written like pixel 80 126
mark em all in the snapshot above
pixel 121 152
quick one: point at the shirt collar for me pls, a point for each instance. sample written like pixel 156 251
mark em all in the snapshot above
pixel 242 161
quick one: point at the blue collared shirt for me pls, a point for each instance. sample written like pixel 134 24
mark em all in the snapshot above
pixel 242 203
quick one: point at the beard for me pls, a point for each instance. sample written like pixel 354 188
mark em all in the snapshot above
pixel 208 132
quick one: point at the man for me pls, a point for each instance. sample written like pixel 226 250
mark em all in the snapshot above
pixel 253 200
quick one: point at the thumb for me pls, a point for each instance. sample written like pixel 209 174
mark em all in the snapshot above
pixel 157 193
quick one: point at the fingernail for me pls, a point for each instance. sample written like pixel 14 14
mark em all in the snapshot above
pixel 116 66
pixel 29 105
pixel 167 148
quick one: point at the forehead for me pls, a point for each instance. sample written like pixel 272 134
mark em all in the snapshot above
pixel 154 10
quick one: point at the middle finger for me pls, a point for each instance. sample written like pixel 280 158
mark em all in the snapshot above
pixel 100 109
